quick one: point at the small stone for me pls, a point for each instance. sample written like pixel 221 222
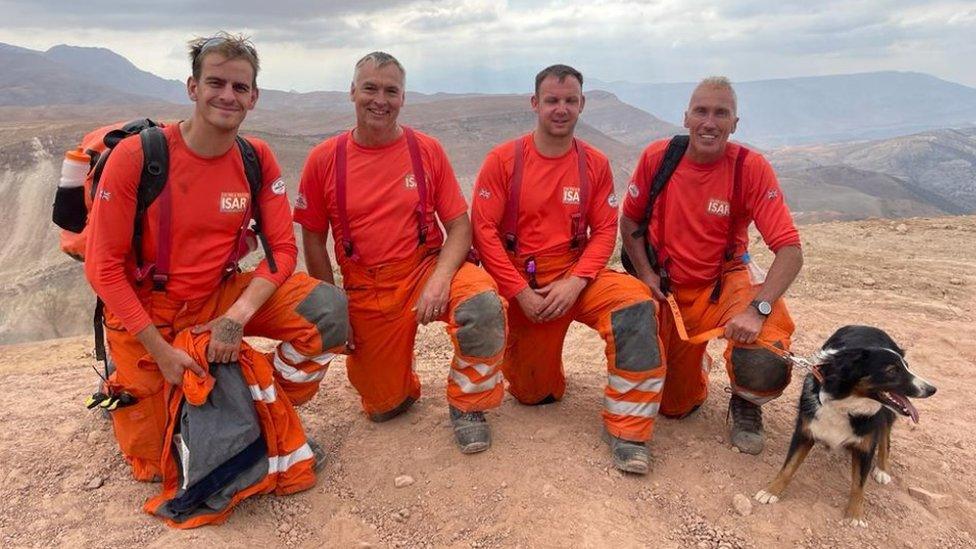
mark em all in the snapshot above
pixel 284 527
pixel 504 484
pixel 736 450
pixel 403 481
pixel 868 281
pixel 955 281
pixel 95 483
pixel 405 513
pixel 742 505
pixel 930 499
pixel 901 228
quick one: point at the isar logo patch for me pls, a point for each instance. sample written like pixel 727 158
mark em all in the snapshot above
pixel 233 202
pixel 410 181
pixel 718 207
pixel 571 195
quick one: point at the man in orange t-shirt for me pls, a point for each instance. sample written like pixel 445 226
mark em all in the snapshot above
pixel 185 275
pixel 545 224
pixel 699 231
pixel 383 188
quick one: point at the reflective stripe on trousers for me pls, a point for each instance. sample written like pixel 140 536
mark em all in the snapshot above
pixel 636 409
pixel 293 374
pixel 280 464
pixel 624 385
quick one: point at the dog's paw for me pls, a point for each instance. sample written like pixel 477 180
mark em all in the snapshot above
pixel 763 496
pixel 880 476
pixel 854 522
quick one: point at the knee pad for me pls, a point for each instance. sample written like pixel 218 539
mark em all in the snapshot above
pixel 759 370
pixel 635 337
pixel 327 308
pixel 480 325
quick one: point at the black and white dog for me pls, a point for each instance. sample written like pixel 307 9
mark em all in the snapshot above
pixel 859 382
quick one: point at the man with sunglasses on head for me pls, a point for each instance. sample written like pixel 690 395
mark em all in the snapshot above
pixel 185 273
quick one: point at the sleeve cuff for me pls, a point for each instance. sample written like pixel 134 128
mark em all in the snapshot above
pixel 510 292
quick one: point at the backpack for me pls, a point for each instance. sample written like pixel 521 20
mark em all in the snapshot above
pixel 72 205
pixel 669 163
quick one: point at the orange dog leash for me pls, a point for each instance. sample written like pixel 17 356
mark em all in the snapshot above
pixel 718 332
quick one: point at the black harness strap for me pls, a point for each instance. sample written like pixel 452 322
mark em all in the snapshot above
pixel 252 169
pixel 669 163
pixel 155 169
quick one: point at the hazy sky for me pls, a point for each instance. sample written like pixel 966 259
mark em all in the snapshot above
pixel 497 45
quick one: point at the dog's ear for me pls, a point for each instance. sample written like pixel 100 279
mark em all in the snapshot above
pixel 846 359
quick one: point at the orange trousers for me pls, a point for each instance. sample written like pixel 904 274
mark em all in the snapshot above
pixel 310 317
pixel 384 327
pixel 622 310
pixel 756 374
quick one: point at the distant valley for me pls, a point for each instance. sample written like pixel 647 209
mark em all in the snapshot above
pixel 45 108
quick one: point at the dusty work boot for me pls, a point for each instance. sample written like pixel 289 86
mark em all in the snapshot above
pixel 470 430
pixel 747 426
pixel 628 455
pixel 318 452
pixel 390 414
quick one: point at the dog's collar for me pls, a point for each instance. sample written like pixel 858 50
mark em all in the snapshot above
pixel 817 373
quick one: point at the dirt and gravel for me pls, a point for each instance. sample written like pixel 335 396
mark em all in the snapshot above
pixel 547 481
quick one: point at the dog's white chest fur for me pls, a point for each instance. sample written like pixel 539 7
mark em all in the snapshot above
pixel 831 424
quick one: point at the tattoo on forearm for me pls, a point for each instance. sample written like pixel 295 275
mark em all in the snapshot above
pixel 228 331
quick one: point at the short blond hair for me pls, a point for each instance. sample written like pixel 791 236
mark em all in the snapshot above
pixel 720 82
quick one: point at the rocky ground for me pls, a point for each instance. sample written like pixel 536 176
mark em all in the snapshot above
pixel 547 481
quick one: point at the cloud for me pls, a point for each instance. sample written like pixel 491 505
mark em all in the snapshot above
pixel 466 45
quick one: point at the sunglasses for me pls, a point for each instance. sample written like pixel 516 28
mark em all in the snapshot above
pixel 220 40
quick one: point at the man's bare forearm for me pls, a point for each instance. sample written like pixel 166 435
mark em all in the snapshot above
pixel 315 247
pixel 786 266
pixel 456 246
pixel 635 247
pixel 254 296
pixel 153 341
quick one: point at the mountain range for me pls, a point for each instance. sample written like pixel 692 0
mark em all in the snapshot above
pixel 47 104
pixel 773 113
pixel 821 109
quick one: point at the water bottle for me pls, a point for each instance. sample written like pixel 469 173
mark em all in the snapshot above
pixel 74 169
pixel 757 275
pixel 70 212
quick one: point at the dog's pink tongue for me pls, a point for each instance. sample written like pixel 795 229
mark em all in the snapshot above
pixel 907 404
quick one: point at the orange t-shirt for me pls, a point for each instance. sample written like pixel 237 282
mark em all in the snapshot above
pixel 549 199
pixel 381 197
pixel 696 204
pixel 209 197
